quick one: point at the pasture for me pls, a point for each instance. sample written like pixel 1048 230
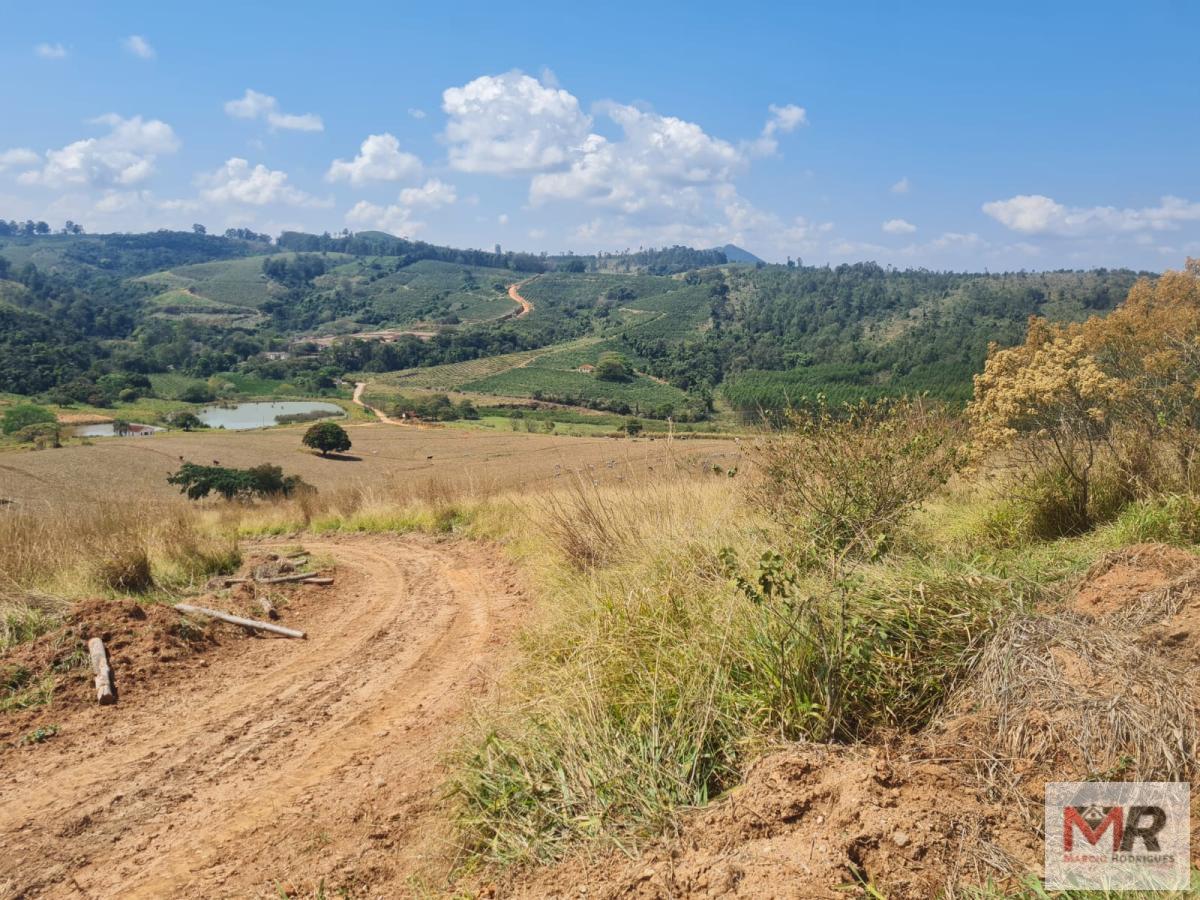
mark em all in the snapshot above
pixel 133 470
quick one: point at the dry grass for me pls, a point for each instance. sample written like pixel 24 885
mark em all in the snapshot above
pixel 1061 697
pixel 51 556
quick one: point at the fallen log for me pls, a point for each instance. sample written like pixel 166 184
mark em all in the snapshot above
pixel 295 576
pixel 318 579
pixel 268 608
pixel 105 695
pixel 230 582
pixel 252 624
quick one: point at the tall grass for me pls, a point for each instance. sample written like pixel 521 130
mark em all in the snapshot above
pixel 49 556
pixel 652 675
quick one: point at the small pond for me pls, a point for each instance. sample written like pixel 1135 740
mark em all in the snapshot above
pixel 262 414
pixel 105 429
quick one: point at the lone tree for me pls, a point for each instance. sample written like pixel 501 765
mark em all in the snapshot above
pixel 265 480
pixel 327 437
pixel 187 421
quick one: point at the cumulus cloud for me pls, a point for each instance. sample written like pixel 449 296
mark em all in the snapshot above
pixel 379 159
pixel 237 182
pixel 512 123
pixel 125 156
pixel 661 162
pixel 50 51
pixel 1039 214
pixel 416 113
pixel 433 194
pixel 899 226
pixel 395 219
pixel 138 46
pixel 256 105
pixel 903 186
pixel 18 157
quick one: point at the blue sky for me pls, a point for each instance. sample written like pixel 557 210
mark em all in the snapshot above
pixel 943 135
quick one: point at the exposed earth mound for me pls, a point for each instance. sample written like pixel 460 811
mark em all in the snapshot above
pixel 1056 697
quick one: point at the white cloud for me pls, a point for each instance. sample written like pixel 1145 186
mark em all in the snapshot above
pixel 512 123
pixel 50 51
pixel 237 182
pixel 899 226
pixel 782 120
pixel 138 46
pixel 433 194
pixel 903 186
pixel 1038 214
pixel 123 157
pixel 18 157
pixel 394 219
pixel 661 163
pixel 416 113
pixel 256 105
pixel 250 106
pixel 379 159
pixel 502 219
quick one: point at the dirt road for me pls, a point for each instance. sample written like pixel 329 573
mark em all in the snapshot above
pixel 359 387
pixel 515 296
pixel 274 765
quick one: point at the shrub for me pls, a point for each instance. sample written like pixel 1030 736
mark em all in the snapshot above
pixel 197 393
pixel 327 437
pixel 22 415
pixel 126 570
pixel 185 420
pixel 844 483
pixel 41 435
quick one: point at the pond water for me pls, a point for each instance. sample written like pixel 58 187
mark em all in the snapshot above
pixel 105 429
pixel 261 414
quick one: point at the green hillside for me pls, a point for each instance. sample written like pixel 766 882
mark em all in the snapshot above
pixel 679 331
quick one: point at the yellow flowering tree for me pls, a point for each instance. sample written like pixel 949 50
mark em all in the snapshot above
pixel 1117 388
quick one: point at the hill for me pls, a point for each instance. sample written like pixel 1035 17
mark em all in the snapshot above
pixel 695 331
pixel 736 254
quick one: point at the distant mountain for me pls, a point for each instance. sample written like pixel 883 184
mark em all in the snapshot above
pixel 736 254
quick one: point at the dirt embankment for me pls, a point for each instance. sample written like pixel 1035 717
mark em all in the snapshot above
pixel 261 767
pixel 1099 687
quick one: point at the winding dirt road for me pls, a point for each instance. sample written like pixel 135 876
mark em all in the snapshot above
pixel 359 387
pixel 515 296
pixel 275 766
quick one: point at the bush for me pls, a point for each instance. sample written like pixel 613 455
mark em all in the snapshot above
pixel 327 437
pixel 197 393
pixel 185 420
pixel 22 415
pixel 844 483
pixel 126 570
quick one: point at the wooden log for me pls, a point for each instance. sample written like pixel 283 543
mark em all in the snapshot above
pixel 268 608
pixel 318 579
pixel 295 576
pixel 230 582
pixel 105 695
pixel 252 624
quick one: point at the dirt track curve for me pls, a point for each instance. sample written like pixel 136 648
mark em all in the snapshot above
pixel 515 296
pixel 275 765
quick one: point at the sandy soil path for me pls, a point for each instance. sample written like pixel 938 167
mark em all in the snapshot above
pixel 359 387
pixel 515 296
pixel 275 765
